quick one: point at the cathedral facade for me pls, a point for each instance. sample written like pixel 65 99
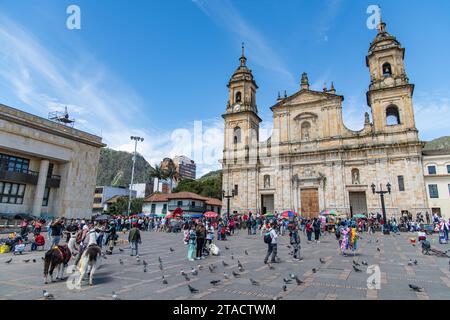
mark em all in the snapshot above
pixel 312 162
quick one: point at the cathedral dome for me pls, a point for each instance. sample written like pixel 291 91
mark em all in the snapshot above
pixel 383 40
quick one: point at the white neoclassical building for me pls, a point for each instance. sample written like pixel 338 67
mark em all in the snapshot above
pixel 46 168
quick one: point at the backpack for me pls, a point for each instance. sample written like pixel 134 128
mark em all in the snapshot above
pixel 267 238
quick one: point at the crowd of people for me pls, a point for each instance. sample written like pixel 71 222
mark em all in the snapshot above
pixel 199 234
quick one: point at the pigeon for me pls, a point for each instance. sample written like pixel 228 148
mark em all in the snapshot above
pixel 226 276
pixel 240 266
pixel 237 275
pixel 194 272
pixel 378 249
pixel 182 272
pixel 214 282
pixel 276 298
pixel 120 249
pixel 254 282
pixel 284 288
pixel 356 269
pixel 121 261
pixel 171 249
pixel 410 262
pixel 287 280
pixel 115 296
pixel 8 261
pixel 241 269
pixel 138 260
pixel 299 282
pixel 314 270
pixel 415 288
pixel 415 262
pixel 246 253
pixel 192 289
pixel 232 257
pixel 225 264
pixel 322 260
pixel 42 258
pixel 356 263
pixel 26 261
pixel 187 278
pixel 47 295
pixel 161 267
pixel 364 263
pixel 144 262
pixel 145 269
pixel 292 276
pixel 164 280
pixel 211 269
pixel 288 246
pixel 377 240
pixel 34 260
pixel 413 244
pixel 159 259
pixel 200 267
pixel 226 248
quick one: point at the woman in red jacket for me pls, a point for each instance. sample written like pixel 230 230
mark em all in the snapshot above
pixel 38 241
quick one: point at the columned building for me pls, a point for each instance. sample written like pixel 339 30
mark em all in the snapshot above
pixel 46 168
pixel 312 161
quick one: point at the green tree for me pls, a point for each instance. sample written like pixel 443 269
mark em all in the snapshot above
pixel 158 173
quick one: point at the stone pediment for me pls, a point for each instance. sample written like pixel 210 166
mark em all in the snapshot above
pixel 305 116
pixel 306 96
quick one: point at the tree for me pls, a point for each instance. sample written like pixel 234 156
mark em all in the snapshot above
pixel 172 174
pixel 158 173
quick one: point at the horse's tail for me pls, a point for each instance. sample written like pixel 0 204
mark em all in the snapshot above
pixel 47 261
pixel 92 253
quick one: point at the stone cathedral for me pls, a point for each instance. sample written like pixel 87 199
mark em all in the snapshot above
pixel 312 162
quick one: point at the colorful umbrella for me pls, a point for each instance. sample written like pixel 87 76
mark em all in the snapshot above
pixel 269 215
pixel 211 214
pixel 289 214
pixel 328 213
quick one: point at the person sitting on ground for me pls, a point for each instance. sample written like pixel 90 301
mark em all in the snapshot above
pixel 38 242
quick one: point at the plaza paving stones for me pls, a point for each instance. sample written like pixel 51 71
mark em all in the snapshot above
pixel 334 280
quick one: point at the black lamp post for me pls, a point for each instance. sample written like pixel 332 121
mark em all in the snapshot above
pixel 228 197
pixel 381 192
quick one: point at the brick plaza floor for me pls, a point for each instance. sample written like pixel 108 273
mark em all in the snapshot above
pixel 334 280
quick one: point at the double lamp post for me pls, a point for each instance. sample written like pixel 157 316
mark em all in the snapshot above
pixel 382 192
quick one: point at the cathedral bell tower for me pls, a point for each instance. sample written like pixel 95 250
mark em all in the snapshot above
pixel 241 117
pixel 390 93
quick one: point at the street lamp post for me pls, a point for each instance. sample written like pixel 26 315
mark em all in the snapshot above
pixel 136 140
pixel 228 197
pixel 381 192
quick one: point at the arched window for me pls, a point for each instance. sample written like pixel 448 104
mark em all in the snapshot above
pixel 387 70
pixel 306 128
pixel 237 135
pixel 266 181
pixel 355 176
pixel 392 116
pixel 238 96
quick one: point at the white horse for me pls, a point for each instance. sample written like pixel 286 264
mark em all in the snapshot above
pixel 91 257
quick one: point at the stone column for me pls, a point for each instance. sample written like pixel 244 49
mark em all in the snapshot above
pixel 40 188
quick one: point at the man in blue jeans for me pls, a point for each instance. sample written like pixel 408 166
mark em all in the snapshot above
pixel 272 246
pixel 134 237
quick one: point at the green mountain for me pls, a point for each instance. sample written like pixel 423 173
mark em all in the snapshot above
pixel 114 168
pixel 442 143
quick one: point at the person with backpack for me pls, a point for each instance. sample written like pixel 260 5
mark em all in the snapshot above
pixel 192 243
pixel 294 238
pixel 271 239
pixel 316 226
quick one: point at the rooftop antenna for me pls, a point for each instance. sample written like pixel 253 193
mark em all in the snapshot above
pixel 61 117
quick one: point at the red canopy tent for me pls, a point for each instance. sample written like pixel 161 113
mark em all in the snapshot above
pixel 211 214
pixel 176 212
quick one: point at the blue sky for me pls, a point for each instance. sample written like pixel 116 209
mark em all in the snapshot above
pixel 155 68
